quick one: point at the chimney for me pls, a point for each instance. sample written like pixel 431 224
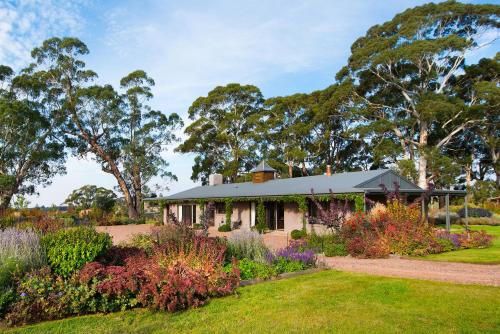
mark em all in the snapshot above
pixel 328 170
pixel 215 179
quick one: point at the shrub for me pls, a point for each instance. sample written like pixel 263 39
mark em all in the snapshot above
pixel 6 221
pixel 183 275
pixel 492 206
pixel 42 296
pixel 364 236
pixel 250 269
pixel 284 265
pixel 335 249
pixel 20 251
pixel 445 245
pixel 167 233
pixel 246 244
pixel 298 234
pixel 224 228
pixel 329 243
pixel 118 255
pixel 474 212
pixel 45 224
pixel 471 239
pixel 68 250
pixel 481 221
pixel 7 297
pixel 291 253
pixel 142 241
pixel 453 238
pixel 475 239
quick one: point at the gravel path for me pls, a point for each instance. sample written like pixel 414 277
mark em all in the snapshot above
pixel 122 233
pixel 428 270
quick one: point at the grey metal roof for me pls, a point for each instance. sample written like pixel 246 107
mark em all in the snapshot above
pixel 263 167
pixel 350 182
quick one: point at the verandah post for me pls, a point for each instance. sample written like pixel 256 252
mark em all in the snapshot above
pixel 466 214
pixel 447 204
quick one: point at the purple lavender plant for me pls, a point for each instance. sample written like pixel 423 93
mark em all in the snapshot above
pixel 22 248
pixel 453 237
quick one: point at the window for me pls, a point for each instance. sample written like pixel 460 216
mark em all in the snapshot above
pixel 220 207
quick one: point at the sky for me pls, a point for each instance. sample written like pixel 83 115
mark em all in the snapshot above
pixel 188 48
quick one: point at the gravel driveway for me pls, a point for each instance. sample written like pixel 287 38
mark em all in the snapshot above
pixel 428 270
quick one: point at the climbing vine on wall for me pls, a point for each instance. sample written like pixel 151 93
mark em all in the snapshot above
pixel 301 200
pixel 229 210
pixel 261 217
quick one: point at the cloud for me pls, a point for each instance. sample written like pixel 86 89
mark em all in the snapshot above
pixel 26 23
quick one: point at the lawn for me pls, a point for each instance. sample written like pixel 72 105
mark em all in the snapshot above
pixel 327 302
pixel 490 255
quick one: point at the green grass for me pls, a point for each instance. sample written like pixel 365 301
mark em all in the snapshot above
pixel 325 302
pixel 490 255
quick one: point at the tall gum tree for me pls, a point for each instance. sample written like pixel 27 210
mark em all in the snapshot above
pixel 31 150
pixel 119 131
pixel 404 70
pixel 286 124
pixel 222 135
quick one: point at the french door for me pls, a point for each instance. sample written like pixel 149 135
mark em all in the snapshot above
pixel 275 215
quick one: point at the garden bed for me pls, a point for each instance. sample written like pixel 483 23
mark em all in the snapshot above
pixel 325 302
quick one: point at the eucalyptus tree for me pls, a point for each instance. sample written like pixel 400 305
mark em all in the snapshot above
pixel 479 86
pixel 286 124
pixel 31 150
pixel 91 196
pixel 404 71
pixel 222 135
pixel 333 139
pixel 119 131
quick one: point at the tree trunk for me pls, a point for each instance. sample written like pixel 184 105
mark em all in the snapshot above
pixel 422 160
pixel 113 169
pixel 304 170
pixel 290 169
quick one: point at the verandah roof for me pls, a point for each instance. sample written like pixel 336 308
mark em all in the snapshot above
pixel 341 183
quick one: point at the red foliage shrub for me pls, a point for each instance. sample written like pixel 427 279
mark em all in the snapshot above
pixel 117 255
pixel 364 236
pixel 475 239
pixel 177 276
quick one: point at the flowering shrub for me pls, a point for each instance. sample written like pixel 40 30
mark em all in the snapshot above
pixel 20 251
pixel 471 239
pixel 292 258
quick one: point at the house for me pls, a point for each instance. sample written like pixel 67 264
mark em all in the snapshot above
pixel 286 203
